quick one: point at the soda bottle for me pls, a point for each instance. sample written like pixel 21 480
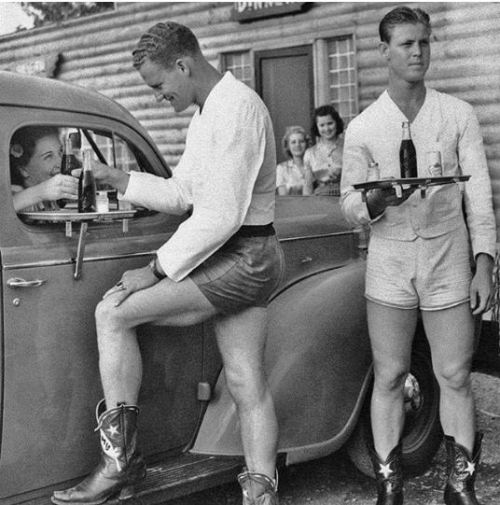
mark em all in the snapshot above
pixel 434 165
pixel 373 173
pixel 407 154
pixel 86 186
pixel 68 163
pixel 76 145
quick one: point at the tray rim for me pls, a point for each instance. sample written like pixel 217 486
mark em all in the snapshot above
pixel 414 181
pixel 63 216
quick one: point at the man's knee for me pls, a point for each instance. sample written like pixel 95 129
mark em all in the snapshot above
pixel 245 386
pixel 453 376
pixel 390 379
pixel 107 314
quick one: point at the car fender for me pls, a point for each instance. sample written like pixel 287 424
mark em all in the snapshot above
pixel 317 363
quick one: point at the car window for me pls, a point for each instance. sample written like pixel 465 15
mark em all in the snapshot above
pixel 38 154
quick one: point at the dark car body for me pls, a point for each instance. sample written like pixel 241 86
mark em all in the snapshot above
pixel 317 358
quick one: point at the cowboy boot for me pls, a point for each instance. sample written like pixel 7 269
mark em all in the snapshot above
pixel 258 489
pixel 462 469
pixel 121 464
pixel 389 476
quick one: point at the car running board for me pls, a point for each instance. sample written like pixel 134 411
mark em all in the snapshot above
pixel 175 477
pixel 181 476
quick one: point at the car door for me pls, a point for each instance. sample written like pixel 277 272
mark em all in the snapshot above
pixel 50 378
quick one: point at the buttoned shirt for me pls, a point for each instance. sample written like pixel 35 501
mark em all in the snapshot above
pixel 226 177
pixel 445 124
pixel 324 160
pixel 291 177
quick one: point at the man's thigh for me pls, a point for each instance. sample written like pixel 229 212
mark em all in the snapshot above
pixel 391 335
pixel 450 333
pixel 166 303
pixel 241 338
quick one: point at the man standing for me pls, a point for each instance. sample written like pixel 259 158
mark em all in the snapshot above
pixel 223 262
pixel 419 252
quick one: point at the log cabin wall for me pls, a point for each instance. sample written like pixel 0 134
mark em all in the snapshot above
pixel 95 52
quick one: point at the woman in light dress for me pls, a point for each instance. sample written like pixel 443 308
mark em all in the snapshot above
pixel 323 161
pixel 290 174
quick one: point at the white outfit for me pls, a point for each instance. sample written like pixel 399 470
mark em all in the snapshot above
pixel 446 124
pixel 226 177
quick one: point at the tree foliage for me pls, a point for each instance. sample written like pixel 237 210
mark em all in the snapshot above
pixel 44 13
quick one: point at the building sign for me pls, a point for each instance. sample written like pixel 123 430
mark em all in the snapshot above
pixel 248 11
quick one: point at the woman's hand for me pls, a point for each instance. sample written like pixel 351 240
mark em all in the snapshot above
pixel 131 281
pixel 58 187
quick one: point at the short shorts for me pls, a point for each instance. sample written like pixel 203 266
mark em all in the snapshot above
pixel 432 274
pixel 243 273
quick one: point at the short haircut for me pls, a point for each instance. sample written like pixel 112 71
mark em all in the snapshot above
pixel 22 147
pixel 164 43
pixel 326 110
pixel 400 16
pixel 286 138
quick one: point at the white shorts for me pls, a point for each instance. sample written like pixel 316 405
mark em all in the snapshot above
pixel 432 274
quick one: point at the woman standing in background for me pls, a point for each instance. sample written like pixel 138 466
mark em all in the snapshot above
pixel 323 161
pixel 290 174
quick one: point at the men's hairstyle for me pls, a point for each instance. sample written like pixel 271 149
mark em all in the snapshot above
pixel 22 147
pixel 164 43
pixel 286 138
pixel 399 16
pixel 326 110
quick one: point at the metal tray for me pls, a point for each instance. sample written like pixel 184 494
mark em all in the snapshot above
pixel 413 181
pixel 74 216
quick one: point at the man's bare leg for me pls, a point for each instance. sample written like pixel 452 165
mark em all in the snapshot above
pixel 167 303
pixel 451 336
pixel 391 336
pixel 241 338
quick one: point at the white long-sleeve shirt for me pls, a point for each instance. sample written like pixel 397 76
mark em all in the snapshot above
pixel 446 124
pixel 226 177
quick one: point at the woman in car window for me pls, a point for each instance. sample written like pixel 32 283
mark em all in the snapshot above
pixel 323 161
pixel 290 174
pixel 35 165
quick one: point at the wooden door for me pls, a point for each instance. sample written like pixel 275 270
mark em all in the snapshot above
pixel 284 80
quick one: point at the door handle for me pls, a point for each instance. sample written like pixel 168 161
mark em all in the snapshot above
pixel 17 282
pixel 305 260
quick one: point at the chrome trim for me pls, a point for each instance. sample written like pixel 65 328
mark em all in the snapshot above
pixel 17 282
pixel 309 237
pixel 70 261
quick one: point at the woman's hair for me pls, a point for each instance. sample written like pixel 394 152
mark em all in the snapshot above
pixel 23 145
pixel 401 16
pixel 164 43
pixel 326 110
pixel 286 138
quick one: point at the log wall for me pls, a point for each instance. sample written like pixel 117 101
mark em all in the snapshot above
pixel 95 52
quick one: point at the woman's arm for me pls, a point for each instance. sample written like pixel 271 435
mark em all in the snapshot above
pixel 58 187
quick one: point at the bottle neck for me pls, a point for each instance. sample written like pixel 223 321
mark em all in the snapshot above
pixel 67 146
pixel 406 131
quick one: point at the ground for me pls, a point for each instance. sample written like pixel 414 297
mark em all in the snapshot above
pixel 335 481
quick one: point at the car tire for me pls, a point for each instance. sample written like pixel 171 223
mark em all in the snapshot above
pixel 422 434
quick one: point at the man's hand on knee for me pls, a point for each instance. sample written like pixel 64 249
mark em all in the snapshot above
pixel 131 281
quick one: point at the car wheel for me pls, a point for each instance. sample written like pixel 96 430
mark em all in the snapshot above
pixel 422 432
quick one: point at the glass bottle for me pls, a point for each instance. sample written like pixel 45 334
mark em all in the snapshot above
pixel 87 186
pixel 407 154
pixel 434 164
pixel 68 163
pixel 373 172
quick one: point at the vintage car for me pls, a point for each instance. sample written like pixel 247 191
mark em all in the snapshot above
pixel 55 269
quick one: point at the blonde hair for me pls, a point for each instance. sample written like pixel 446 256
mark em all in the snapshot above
pixel 288 132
